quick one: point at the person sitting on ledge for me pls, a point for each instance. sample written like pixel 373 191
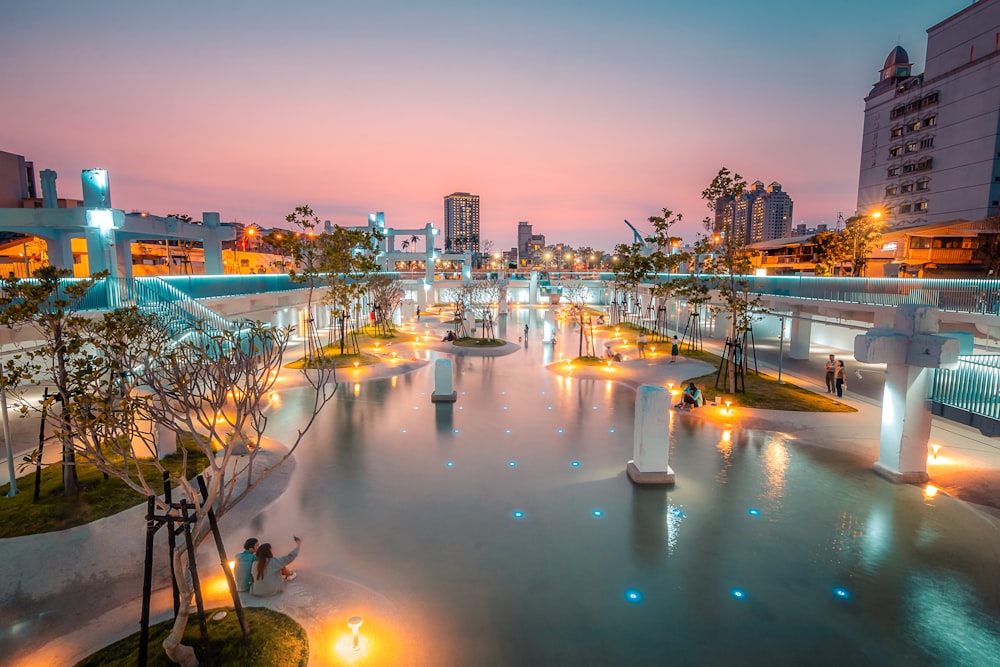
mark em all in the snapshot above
pixel 691 397
pixel 449 336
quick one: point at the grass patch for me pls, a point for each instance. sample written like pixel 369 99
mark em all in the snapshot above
pixel 590 361
pixel 275 639
pixel 763 391
pixel 479 342
pixel 98 497
pixel 367 337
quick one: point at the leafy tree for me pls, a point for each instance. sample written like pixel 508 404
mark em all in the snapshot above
pixel 632 267
pixel 664 261
pixel 988 251
pixel 861 236
pixel 730 263
pixel 49 304
pixel 338 262
pixel 830 252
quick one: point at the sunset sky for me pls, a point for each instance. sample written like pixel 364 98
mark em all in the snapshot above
pixel 572 115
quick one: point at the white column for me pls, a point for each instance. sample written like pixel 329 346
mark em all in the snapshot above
pixel 443 391
pixel 650 462
pixel 801 332
pixel 906 424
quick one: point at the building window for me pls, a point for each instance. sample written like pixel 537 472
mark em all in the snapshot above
pixel 930 121
pixel 907 187
pixel 925 164
pixel 923 185
pixel 897 132
pixel 891 190
pixel 905 208
pixel 911 147
pixel 930 99
pixel 893 171
pixel 913 106
pixel 897 112
pixel 909 168
pixel 920 206
pixel 889 210
pixel 919 243
pixel 895 151
pixel 927 142
pixel 913 126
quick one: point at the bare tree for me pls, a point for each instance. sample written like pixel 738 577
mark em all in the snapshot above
pixel 578 294
pixel 211 387
pixel 484 299
pixel 385 294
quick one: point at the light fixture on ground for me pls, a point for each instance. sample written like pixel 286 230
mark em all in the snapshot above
pixel 354 623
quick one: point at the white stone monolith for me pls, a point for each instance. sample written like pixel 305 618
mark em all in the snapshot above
pixel 443 388
pixel 651 441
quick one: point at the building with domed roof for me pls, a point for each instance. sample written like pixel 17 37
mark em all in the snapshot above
pixel 930 150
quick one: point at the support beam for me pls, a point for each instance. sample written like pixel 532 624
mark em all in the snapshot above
pixel 799 337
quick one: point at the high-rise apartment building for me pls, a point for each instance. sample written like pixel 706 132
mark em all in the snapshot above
pixel 760 214
pixel 771 214
pixel 461 222
pixel 523 237
pixel 930 151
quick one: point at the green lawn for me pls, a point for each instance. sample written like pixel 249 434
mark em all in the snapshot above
pixel 763 390
pixel 275 641
pixel 98 497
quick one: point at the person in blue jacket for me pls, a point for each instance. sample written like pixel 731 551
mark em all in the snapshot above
pixel 243 570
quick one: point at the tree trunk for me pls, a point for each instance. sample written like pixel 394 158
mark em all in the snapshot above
pixel 177 652
pixel 71 485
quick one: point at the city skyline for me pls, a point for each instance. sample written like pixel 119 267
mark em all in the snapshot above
pixel 572 116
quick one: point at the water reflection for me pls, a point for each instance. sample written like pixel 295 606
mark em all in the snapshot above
pixel 917 575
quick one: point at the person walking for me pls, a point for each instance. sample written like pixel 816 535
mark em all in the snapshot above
pixel 674 350
pixel 641 344
pixel 841 379
pixel 831 367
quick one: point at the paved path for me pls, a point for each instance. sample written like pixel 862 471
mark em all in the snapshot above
pixel 80 584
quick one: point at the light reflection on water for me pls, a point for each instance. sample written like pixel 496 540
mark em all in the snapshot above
pixel 549 587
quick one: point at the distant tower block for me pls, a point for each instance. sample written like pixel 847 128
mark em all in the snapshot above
pixel 651 449
pixel 443 389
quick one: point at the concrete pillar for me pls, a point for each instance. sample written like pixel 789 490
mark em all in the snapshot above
pixel 651 440
pixel 443 387
pixel 906 424
pixel 212 247
pixel 123 257
pixel 467 266
pixel 502 306
pixel 96 188
pixel 60 250
pixel 50 199
pixel 533 288
pixel 722 327
pixel 799 336
pixel 423 289
pixel 909 349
